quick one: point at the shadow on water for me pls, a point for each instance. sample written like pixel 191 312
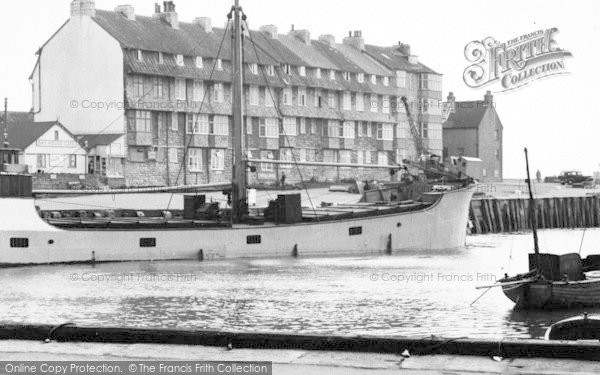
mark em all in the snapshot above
pixel 535 322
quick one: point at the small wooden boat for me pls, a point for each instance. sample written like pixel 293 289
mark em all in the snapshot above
pixel 581 327
pixel 553 281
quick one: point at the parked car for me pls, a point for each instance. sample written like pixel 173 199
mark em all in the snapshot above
pixel 571 177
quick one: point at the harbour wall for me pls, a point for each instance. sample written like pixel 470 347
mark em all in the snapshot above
pixel 494 215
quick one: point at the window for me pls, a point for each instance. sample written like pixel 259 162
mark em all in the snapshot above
pixel 266 167
pixel 140 121
pixel 217 160
pixel 484 172
pixel 72 161
pixel 253 240
pixel 332 99
pixel 302 96
pixel 253 97
pixel 161 58
pixel 56 135
pixel 385 131
pixel 313 126
pixel 497 154
pixel 385 105
pixel 289 126
pixel 198 91
pixel 424 129
pixel 180 89
pixel 148 242
pixel 199 62
pixel 19 242
pixel 359 127
pixel 360 77
pixel 173 157
pixel 248 122
pixel 197 124
pixel 173 120
pixel 218 94
pixel 140 55
pixel 347 100
pixel 285 154
pixel 302 154
pixel 348 129
pixel 287 96
pixel 382 158
pixel 360 101
pixel 254 68
pixel 158 87
pixel 430 82
pixel 400 78
pixel 195 160
pixel 354 231
pixel 302 71
pixel 287 69
pixel 271 70
pixel 373 103
pixel 386 81
pixel 138 86
pixel 220 125
pixel 346 156
pixel 363 156
pixel 269 97
pixel 332 75
pixel 318 73
pixel 180 60
pixel 496 134
pixel 369 129
pixel 373 79
pixel 333 128
pixel 268 128
pixel 497 173
pixel 302 125
pixel 219 65
pixel 347 76
pixel 329 156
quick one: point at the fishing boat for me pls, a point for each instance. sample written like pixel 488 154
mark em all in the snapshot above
pixel 402 218
pixel 554 281
pixel 580 327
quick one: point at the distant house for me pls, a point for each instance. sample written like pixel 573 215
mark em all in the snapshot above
pixel 106 154
pixel 46 147
pixel 473 129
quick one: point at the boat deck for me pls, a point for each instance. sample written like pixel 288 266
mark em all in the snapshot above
pixel 154 219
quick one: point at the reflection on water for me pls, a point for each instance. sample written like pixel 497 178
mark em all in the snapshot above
pixel 418 293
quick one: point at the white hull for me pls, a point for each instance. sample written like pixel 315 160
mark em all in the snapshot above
pixel 440 226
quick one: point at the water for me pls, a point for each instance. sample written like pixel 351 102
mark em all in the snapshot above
pixel 418 294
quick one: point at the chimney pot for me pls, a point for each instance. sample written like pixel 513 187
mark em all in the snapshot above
pixel 83 8
pixel 488 98
pixel 169 15
pixel 355 41
pixel 156 8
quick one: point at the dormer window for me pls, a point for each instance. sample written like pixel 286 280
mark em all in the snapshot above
pixel 360 77
pixel 199 62
pixel 287 69
pixel 332 74
pixel 386 81
pixel 161 58
pixel 140 56
pixel 254 68
pixel 302 71
pixel 347 76
pixel 318 72
pixel 219 64
pixel 270 70
pixel 373 79
pixel 180 60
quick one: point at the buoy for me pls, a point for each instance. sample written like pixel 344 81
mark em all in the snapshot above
pixel 388 247
pixel 200 255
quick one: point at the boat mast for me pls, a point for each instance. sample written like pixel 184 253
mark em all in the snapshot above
pixel 532 212
pixel 239 205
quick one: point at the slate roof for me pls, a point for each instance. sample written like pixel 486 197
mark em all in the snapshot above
pixel 341 61
pixel 466 115
pixel 94 140
pixel 392 58
pixel 310 54
pixel 21 134
pixel 364 62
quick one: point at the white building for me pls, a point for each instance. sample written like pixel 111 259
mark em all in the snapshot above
pixel 106 154
pixel 47 147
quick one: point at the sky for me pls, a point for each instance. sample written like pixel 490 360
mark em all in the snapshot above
pixel 551 116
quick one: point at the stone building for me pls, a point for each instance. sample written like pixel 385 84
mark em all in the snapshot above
pixel 473 129
pixel 165 86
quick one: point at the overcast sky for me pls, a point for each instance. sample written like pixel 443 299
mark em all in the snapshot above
pixel 555 117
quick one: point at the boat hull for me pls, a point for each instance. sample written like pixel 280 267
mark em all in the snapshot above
pixel 554 294
pixel 440 226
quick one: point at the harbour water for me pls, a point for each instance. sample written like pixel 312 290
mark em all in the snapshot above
pixel 417 294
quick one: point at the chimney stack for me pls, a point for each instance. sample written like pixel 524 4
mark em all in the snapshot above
pixel 156 9
pixel 269 30
pixel 328 39
pixel 404 48
pixel 169 15
pixel 83 8
pixel 302 35
pixel 355 41
pixel 488 98
pixel 126 10
pixel 451 102
pixel 205 23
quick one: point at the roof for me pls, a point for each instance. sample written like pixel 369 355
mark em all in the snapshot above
pixel 92 140
pixel 466 115
pixel 310 54
pixel 469 158
pixel 366 63
pixel 17 117
pixel 394 59
pixel 21 134
pixel 341 61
